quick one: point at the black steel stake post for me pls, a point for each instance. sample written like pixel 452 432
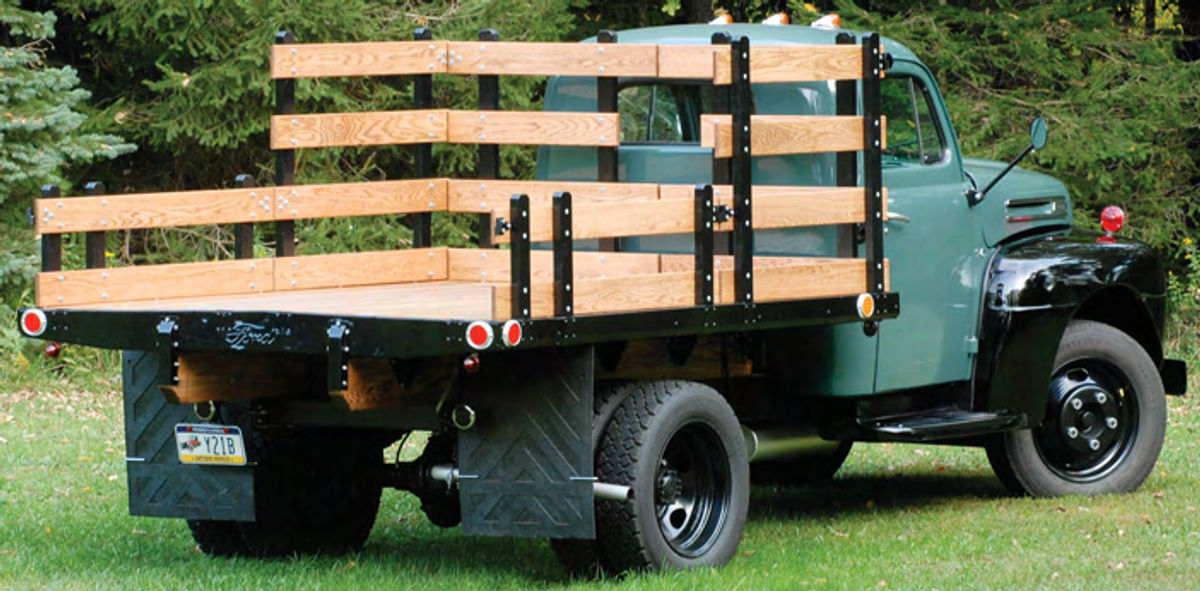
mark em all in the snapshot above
pixel 703 232
pixel 488 166
pixel 285 160
pixel 872 167
pixel 847 162
pixel 93 250
pixel 51 243
pixel 721 100
pixel 564 272
pixel 243 233
pixel 606 157
pixel 423 153
pixel 743 224
pixel 518 212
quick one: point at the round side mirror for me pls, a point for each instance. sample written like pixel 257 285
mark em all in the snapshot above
pixel 1037 133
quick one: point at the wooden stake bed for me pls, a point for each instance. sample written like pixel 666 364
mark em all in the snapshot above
pixel 618 294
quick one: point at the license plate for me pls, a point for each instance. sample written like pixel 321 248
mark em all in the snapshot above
pixel 210 444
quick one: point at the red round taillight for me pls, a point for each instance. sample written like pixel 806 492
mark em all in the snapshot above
pixel 33 322
pixel 480 335
pixel 512 333
pixel 53 349
pixel 471 363
pixel 1112 219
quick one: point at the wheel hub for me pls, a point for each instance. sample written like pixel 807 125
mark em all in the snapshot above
pixel 1090 423
pixel 669 485
pixel 1089 419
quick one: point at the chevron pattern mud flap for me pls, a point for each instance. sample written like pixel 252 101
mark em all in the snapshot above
pixel 526 465
pixel 159 486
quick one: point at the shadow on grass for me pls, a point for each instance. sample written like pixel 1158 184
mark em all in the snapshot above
pixel 871 493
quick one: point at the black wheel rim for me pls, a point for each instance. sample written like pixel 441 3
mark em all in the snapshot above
pixel 1091 422
pixel 692 489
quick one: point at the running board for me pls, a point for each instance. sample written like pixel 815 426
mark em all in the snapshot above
pixel 941 423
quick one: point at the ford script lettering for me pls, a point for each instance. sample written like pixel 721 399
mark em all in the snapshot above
pixel 244 333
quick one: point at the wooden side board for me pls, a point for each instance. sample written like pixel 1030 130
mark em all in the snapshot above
pixel 487 195
pixel 360 268
pixel 534 128
pixel 786 134
pixel 796 63
pixel 152 210
pixel 242 375
pixel 607 295
pixel 696 62
pixel 494 266
pixel 372 128
pixel 389 58
pixel 353 199
pixel 56 289
pixel 552 59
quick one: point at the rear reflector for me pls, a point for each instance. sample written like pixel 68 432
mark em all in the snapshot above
pixel 866 305
pixel 480 335
pixel 512 333
pixel 33 322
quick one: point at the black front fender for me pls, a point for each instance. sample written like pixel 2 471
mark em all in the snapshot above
pixel 1036 286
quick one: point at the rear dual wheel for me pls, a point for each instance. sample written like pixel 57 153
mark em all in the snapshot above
pixel 679 447
pixel 1104 424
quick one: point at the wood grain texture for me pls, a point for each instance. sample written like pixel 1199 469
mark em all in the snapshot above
pixel 360 268
pixel 608 295
pixel 486 195
pixel 797 63
pixel 651 360
pixel 153 282
pixel 388 58
pixel 691 61
pixel 373 128
pixel 785 134
pixel 533 128
pixel 494 266
pixel 241 375
pixel 152 210
pixel 608 220
pixel 353 199
pixel 553 59
pixel 798 278
pixel 432 300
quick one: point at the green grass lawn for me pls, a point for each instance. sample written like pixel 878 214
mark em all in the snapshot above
pixel 896 516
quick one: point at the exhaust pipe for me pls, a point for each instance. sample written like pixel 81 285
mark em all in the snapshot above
pixel 778 443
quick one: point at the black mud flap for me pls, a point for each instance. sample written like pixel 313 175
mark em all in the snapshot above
pixel 526 465
pixel 159 486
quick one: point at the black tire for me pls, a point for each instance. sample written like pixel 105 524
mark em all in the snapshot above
pixel 801 471
pixel 313 495
pixel 1104 425
pixel 680 447
pixel 217 538
pixel 583 558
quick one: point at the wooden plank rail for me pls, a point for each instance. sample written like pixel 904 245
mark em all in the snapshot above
pixel 376 128
pixel 87 286
pixel 390 58
pixel 373 128
pixel 360 268
pixel 492 266
pixel 787 134
pixel 770 63
pixel 152 210
pixel 489 195
pixel 358 199
pixel 796 63
pixel 552 59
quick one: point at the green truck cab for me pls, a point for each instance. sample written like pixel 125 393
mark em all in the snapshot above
pixel 650 342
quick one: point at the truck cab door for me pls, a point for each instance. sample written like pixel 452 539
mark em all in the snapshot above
pixel 933 240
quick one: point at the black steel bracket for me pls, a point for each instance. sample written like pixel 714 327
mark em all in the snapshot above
pixel 166 345
pixel 501 226
pixel 872 167
pixel 564 271
pixel 243 233
pixel 285 160
pixel 743 227
pixel 51 243
pixel 422 88
pixel 94 241
pixel 703 232
pixel 519 251
pixel 338 350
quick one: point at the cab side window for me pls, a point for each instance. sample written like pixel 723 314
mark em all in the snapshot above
pixel 662 113
pixel 913 135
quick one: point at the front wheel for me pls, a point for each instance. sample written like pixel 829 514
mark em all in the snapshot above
pixel 680 447
pixel 1104 424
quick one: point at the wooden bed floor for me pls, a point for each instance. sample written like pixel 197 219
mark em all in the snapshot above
pixel 434 300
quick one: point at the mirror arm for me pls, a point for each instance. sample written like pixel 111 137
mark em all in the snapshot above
pixel 974 197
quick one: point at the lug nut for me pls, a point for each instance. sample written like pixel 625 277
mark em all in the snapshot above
pixel 1072 432
pixel 1076 404
pixel 1101 397
pixel 1111 422
pixel 1094 444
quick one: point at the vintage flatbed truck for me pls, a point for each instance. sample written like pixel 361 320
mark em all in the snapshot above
pixel 697 280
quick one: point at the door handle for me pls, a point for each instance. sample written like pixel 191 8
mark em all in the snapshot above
pixel 895 216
